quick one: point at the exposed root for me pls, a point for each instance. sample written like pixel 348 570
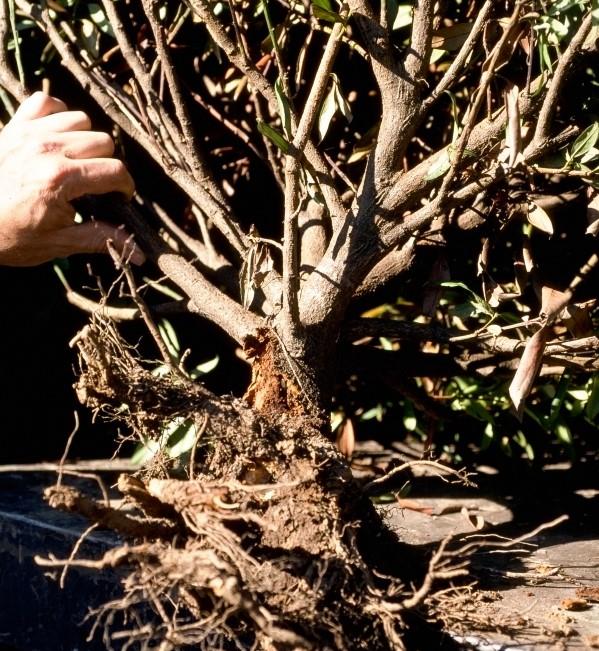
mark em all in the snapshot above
pixel 272 545
pixel 380 484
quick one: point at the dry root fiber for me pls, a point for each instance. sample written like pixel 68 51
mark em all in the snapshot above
pixel 268 547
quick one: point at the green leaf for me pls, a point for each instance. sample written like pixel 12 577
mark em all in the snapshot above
pixel 454 113
pixel 592 407
pixel 337 417
pixel 340 101
pixel 91 37
pixel 589 156
pixel 384 498
pixel 145 452
pixel 327 111
pixel 436 55
pixel 595 12
pixel 563 433
pixel 274 136
pixel 561 6
pixel 488 436
pixel 323 10
pixel 521 440
pixel 544 54
pixel 560 29
pixel 558 400
pixel 96 13
pixel 386 344
pixel 439 166
pixel 477 410
pixel 585 141
pixel 403 17
pixel 284 108
pixel 580 395
pixel 204 368
pixel 182 439
pixel 171 341
pixel 163 289
pixel 478 302
pixel 539 218
pixel 410 422
pixel 274 33
pixel 376 412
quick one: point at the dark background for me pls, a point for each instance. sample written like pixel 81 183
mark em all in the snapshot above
pixel 37 373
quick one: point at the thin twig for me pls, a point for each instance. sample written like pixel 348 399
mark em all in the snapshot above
pixel 485 544
pixel 190 142
pixel 560 171
pixel 169 359
pixel 69 560
pixel 67 447
pixel 238 132
pixel 192 455
pixel 457 65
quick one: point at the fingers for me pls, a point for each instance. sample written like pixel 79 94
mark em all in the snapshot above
pixel 92 237
pixel 38 106
pixel 49 115
pixel 95 176
pixel 61 122
pixel 80 144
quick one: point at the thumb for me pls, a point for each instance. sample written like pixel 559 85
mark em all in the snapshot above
pixel 92 237
pixel 38 105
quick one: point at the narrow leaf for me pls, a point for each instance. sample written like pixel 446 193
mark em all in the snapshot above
pixel 284 108
pixel 539 219
pixel 403 18
pixel 553 302
pixel 327 111
pixel 323 10
pixel 585 141
pixel 528 369
pixel 340 100
pixel 274 136
pixel 563 433
pixel 346 438
pixel 204 368
pixel 592 406
pixel 439 166
pixel 170 338
pixel 451 38
pixel 593 216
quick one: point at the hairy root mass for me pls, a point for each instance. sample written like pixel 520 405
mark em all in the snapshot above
pixel 264 542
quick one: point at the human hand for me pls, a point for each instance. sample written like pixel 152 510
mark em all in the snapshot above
pixel 48 157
